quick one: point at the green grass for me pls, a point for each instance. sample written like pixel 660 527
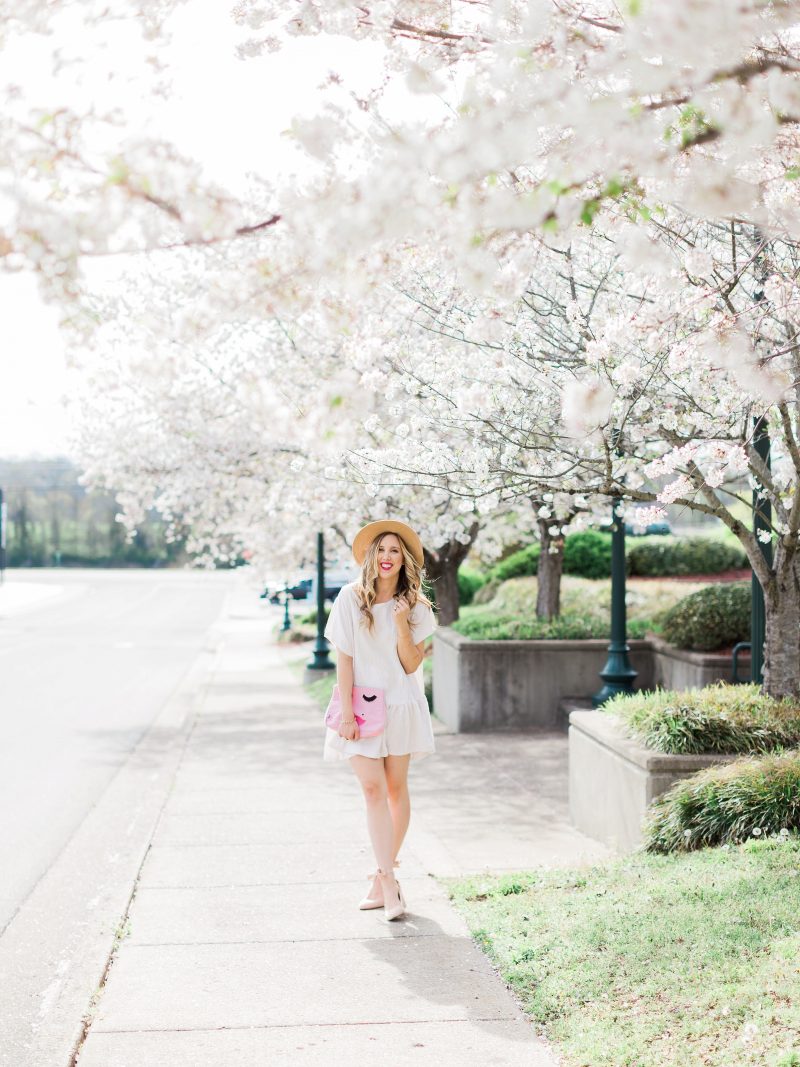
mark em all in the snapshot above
pixel 322 688
pixel 718 718
pixel 653 961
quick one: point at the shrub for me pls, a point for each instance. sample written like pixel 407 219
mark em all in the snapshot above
pixel 751 797
pixel 588 554
pixel 491 625
pixel 469 582
pixel 310 618
pixel 487 591
pixel 713 617
pixel 691 555
pixel 720 718
pixel 518 564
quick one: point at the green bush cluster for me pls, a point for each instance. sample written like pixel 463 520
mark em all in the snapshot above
pixel 734 719
pixel 667 557
pixel 469 582
pixel 490 625
pixel 750 797
pixel 518 565
pixel 310 618
pixel 487 592
pixel 586 554
pixel 711 618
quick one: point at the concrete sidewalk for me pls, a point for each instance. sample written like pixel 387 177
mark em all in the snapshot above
pixel 244 945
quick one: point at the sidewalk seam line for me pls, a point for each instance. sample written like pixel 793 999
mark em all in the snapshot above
pixel 295 1026
pixel 287 940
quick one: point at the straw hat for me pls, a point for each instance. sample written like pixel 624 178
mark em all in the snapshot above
pixel 368 533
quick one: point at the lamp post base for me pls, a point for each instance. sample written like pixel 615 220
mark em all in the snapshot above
pixel 618 675
pixel 320 659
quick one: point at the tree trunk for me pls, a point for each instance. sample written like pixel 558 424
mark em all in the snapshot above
pixel 446 586
pixel 441 567
pixel 551 563
pixel 782 639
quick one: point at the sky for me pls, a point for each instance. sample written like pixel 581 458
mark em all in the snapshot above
pixel 32 421
pixel 227 113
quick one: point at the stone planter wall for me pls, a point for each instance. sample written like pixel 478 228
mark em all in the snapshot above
pixel 675 668
pixel 613 780
pixel 492 685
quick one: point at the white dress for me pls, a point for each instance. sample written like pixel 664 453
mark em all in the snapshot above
pixel 376 663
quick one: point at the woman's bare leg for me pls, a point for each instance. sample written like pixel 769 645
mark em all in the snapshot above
pixel 372 776
pixel 397 795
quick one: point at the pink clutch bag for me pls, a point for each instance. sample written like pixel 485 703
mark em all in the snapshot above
pixel 369 708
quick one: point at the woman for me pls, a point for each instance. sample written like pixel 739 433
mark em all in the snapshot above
pixel 379 624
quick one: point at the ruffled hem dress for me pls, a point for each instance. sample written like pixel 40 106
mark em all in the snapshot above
pixel 377 664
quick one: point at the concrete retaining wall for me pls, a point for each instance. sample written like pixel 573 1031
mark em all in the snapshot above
pixel 675 668
pixel 613 779
pixel 491 685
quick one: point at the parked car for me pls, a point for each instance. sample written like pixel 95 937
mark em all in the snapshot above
pixel 660 528
pixel 304 585
pixel 299 589
pixel 634 530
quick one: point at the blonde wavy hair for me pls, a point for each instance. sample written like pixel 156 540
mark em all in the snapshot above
pixel 410 581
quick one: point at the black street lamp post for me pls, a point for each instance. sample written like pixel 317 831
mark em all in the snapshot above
pixel 320 660
pixel 762 520
pixel 287 622
pixel 617 674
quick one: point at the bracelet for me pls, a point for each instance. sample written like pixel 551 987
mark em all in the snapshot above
pixel 348 722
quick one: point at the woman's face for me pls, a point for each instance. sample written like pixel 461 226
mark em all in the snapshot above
pixel 390 556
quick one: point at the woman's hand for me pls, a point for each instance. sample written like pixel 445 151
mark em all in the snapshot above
pixel 349 730
pixel 401 611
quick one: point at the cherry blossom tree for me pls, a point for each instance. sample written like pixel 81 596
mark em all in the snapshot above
pixel 537 114
pixel 534 118
pixel 244 439
pixel 638 364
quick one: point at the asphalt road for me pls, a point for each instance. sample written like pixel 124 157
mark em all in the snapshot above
pixel 87 660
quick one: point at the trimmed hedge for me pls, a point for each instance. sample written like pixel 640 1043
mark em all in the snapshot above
pixel 751 797
pixel 721 718
pixel 588 554
pixel 711 618
pixel 490 625
pixel 691 555
pixel 487 591
pixel 520 564
pixel 469 582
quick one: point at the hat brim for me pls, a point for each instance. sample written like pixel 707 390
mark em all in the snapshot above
pixel 367 534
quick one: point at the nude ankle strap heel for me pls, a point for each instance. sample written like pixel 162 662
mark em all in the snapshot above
pixel 374 897
pixel 394 904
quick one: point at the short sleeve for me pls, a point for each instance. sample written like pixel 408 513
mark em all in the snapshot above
pixel 423 622
pixel 339 628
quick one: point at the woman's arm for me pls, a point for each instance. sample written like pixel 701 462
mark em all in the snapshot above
pixel 344 678
pixel 411 655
